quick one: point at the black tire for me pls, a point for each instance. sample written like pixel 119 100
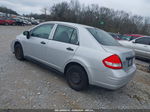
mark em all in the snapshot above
pixel 77 77
pixel 19 52
pixel 13 24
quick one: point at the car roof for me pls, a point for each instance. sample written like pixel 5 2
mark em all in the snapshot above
pixel 134 35
pixel 145 36
pixel 69 24
pixel 142 37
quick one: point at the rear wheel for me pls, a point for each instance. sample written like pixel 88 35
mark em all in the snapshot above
pixel 19 52
pixel 77 77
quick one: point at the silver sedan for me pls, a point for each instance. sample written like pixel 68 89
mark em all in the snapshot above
pixel 86 55
pixel 141 46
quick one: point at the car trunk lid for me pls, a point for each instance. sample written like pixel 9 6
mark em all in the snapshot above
pixel 126 55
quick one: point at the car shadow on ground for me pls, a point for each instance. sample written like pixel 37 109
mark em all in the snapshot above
pixel 145 63
pixel 143 59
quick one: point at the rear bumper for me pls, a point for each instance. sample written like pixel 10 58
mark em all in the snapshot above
pixel 114 79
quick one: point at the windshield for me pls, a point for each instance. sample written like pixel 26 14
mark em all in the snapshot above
pixel 126 38
pixel 103 37
pixel 129 38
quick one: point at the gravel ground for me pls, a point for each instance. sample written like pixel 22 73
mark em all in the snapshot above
pixel 28 85
pixel 143 64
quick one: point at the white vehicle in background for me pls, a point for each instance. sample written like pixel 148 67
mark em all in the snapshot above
pixel 35 22
pixel 141 46
pixel 26 22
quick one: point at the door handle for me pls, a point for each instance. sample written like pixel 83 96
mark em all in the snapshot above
pixel 43 42
pixel 70 49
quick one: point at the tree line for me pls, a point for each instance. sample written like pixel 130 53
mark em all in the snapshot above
pixel 93 15
pixel 7 11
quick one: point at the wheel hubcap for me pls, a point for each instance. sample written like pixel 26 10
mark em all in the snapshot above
pixel 75 78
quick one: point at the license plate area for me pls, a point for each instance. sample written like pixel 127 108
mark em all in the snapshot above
pixel 130 61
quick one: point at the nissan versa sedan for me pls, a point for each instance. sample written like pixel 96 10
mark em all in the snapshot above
pixel 86 55
pixel 141 46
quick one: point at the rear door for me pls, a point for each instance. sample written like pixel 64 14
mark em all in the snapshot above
pixel 63 46
pixel 142 46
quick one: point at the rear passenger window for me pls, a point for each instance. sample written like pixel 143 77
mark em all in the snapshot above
pixel 74 38
pixel 66 34
pixel 42 31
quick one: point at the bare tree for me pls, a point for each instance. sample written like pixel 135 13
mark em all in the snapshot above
pixel 44 10
pixel 101 17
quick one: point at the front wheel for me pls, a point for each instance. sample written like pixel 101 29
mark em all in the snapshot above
pixel 19 52
pixel 77 77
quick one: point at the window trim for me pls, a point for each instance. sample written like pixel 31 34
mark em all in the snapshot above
pixel 55 29
pixel 87 28
pixel 40 26
pixel 141 38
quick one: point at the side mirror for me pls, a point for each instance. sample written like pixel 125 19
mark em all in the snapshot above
pixel 27 34
pixel 133 41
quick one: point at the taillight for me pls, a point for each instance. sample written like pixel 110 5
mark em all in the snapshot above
pixel 113 62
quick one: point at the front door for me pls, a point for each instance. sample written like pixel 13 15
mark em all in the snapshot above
pixel 35 46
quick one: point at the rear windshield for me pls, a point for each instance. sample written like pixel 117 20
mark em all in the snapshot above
pixel 103 37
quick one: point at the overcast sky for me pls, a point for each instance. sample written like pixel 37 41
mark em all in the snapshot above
pixel 140 7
